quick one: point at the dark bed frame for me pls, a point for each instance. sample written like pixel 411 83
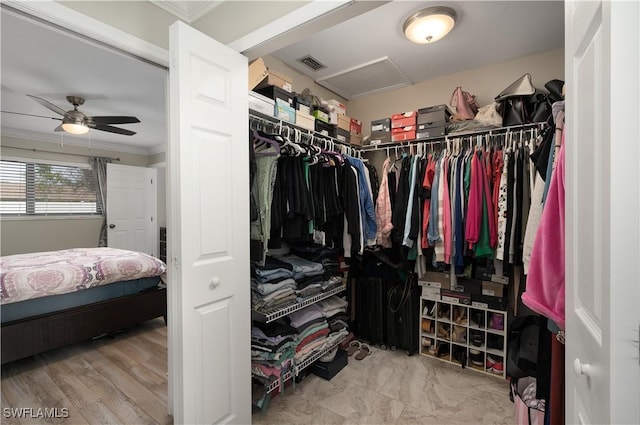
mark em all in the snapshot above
pixel 35 335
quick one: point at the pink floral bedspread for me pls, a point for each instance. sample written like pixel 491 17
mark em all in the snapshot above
pixel 40 274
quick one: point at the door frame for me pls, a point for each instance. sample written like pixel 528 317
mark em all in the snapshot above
pixel 88 27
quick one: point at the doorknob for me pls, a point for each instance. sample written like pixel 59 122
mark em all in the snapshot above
pixel 581 368
pixel 112 226
pixel 215 282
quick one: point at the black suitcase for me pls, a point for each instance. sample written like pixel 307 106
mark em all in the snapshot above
pixel 370 309
pixel 403 308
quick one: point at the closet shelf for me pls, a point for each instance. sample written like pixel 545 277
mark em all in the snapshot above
pixel 276 384
pixel 445 138
pixel 276 122
pixel 270 317
pixel 315 356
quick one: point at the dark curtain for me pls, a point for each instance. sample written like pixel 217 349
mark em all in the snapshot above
pixel 99 166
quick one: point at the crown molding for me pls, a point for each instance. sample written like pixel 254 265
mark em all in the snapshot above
pixel 187 11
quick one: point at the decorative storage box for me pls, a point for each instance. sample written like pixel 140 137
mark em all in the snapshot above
pixel 284 112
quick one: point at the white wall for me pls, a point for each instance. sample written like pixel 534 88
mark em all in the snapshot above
pixel 485 82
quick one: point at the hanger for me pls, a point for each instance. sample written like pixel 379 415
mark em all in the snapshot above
pixel 265 142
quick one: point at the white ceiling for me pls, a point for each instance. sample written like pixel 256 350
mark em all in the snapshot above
pixel 51 64
pixel 485 33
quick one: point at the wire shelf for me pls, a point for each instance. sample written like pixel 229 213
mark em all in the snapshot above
pixel 270 317
pixel 276 384
pixel 315 356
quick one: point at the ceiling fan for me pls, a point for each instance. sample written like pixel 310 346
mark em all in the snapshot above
pixel 76 122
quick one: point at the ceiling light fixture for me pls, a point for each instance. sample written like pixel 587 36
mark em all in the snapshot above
pixel 429 25
pixel 74 126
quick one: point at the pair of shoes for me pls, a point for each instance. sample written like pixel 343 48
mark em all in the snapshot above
pixel 496 321
pixel 442 350
pixel 460 355
pixel 476 338
pixel 443 311
pixel 444 331
pixel 427 342
pixel 494 365
pixel 495 341
pixel 460 315
pixel 427 325
pixel 364 352
pixel 429 311
pixel 459 334
pixel 477 319
pixel 476 357
pixel 353 347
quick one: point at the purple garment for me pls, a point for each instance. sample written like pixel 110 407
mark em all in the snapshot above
pixel 307 314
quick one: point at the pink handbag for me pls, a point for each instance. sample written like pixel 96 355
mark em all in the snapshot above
pixel 527 413
pixel 465 104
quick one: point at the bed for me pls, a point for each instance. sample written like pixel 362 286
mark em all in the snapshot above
pixel 56 298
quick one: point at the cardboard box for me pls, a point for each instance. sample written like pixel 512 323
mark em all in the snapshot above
pixel 302 105
pixel 320 115
pixel 260 76
pixel 275 93
pixel 379 137
pixel 284 112
pixel 325 129
pixel 328 370
pixel 403 122
pixel 431 293
pixel 429 133
pixel 455 297
pixel 343 135
pixel 355 126
pixel 355 139
pixel 381 125
pixel 305 121
pixel 260 103
pixel 435 280
pixel 493 289
pixel 434 114
pixel 402 115
pixel 485 301
pixel 402 136
pixel 337 106
pixel 344 123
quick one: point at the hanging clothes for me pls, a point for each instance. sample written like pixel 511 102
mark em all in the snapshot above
pixel 383 208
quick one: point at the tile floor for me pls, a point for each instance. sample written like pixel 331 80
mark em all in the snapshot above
pixel 389 387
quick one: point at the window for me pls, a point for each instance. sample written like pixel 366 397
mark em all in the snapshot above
pixel 30 188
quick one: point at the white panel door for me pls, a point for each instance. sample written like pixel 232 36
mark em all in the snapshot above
pixel 602 212
pixel 131 208
pixel 209 230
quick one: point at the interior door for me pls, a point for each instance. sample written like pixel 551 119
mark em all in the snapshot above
pixel 602 46
pixel 131 208
pixel 209 230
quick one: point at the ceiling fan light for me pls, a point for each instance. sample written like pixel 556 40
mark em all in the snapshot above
pixel 429 25
pixel 75 128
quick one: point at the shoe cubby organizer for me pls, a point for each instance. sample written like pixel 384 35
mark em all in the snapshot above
pixel 465 335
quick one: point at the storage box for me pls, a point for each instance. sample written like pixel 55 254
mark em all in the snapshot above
pixel 404 120
pixel 275 93
pixel 305 120
pixel 344 123
pixel 434 114
pixel 325 129
pixel 284 112
pixel 355 126
pixel 435 280
pixel 402 115
pixel 469 286
pixel 429 133
pixel 328 370
pixel 355 139
pixel 431 293
pixel 320 115
pixel 402 135
pixel 260 76
pixel 301 104
pixel 493 289
pixel 379 137
pixel 260 103
pixel 381 125
pixel 343 135
pixel 337 106
pixel 485 301
pixel 455 297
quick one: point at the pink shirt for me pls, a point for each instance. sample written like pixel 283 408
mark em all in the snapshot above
pixel 474 208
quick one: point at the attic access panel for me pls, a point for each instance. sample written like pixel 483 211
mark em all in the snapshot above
pixel 369 78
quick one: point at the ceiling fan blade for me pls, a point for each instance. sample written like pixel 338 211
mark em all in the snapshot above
pixel 47 104
pixel 59 128
pixel 114 120
pixel 30 115
pixel 112 129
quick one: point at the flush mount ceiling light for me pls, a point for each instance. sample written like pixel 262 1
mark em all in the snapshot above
pixel 74 122
pixel 429 25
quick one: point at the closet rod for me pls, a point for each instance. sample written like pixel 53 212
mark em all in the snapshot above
pixel 61 153
pixel 278 123
pixel 446 138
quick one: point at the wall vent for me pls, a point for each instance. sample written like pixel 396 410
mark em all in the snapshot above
pixel 312 62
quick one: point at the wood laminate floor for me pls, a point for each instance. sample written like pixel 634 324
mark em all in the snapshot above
pixel 123 380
